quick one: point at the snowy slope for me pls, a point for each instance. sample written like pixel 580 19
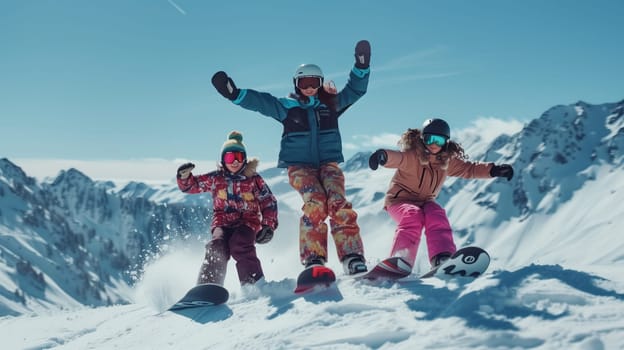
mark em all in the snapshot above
pixel 535 307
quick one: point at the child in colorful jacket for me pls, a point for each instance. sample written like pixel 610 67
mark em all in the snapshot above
pixel 311 149
pixel 427 157
pixel 244 212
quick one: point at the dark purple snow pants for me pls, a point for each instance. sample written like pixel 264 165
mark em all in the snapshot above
pixel 238 243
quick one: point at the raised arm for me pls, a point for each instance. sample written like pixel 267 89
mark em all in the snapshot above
pixel 358 77
pixel 189 183
pixel 261 102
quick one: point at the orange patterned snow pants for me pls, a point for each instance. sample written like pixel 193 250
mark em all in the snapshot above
pixel 323 193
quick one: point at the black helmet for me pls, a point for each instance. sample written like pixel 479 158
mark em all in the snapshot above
pixel 437 126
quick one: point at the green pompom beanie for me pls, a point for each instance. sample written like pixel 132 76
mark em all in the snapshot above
pixel 234 143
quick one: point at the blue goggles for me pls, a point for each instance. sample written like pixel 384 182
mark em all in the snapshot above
pixel 431 139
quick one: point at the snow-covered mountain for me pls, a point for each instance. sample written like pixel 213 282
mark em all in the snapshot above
pixel 567 187
pixel 74 241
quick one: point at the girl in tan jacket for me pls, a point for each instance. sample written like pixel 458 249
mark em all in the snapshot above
pixel 426 158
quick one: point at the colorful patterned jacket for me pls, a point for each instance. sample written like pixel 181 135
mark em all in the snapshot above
pixel 310 136
pixel 238 199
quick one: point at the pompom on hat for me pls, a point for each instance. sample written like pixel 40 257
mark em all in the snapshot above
pixel 234 143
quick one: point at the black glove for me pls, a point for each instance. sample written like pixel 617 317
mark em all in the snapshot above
pixel 264 235
pixel 380 157
pixel 225 85
pixel 503 170
pixel 362 54
pixel 185 170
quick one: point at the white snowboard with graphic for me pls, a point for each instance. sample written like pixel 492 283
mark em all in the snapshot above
pixel 466 262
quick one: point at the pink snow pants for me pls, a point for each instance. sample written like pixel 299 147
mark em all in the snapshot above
pixel 411 219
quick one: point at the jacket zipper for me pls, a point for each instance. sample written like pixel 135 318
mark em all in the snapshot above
pixel 314 137
pixel 434 177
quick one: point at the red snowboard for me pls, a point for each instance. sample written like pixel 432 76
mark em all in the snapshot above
pixel 314 276
pixel 389 269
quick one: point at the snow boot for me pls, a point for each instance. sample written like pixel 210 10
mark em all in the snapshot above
pixel 314 260
pixel 354 263
pixel 439 259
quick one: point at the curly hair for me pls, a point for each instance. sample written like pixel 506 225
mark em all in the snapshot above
pixel 412 138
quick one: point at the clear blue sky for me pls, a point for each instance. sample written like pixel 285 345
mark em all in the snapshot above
pixel 120 79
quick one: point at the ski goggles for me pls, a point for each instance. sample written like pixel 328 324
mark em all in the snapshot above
pixel 230 157
pixel 431 139
pixel 309 82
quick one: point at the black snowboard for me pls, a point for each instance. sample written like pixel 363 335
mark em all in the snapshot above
pixel 208 294
pixel 313 276
pixel 466 262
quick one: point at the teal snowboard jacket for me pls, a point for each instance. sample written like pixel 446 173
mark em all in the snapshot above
pixel 310 134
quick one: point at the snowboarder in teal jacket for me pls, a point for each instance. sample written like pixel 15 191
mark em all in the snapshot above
pixel 311 148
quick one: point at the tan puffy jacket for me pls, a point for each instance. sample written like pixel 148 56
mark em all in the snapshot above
pixel 420 174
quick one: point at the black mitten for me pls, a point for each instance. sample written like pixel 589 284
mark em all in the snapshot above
pixel 380 157
pixel 225 85
pixel 264 235
pixel 185 170
pixel 362 54
pixel 503 170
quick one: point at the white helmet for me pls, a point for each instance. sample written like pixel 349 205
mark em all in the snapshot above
pixel 308 70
